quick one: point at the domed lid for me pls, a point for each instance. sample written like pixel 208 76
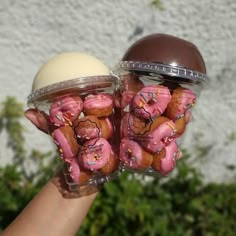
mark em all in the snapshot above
pixel 66 66
pixel 167 55
pixel 67 72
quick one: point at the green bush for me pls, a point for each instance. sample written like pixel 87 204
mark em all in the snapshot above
pixel 181 205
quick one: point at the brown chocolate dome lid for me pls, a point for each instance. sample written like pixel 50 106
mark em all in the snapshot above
pixel 166 49
pixel 167 55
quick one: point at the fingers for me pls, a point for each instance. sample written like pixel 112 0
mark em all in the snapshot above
pixel 39 119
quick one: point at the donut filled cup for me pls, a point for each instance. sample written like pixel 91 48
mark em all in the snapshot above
pixel 161 77
pixel 76 94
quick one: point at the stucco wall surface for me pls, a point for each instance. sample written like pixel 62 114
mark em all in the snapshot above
pixel 32 31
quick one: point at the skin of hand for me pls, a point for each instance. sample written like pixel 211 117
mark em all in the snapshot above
pixel 55 210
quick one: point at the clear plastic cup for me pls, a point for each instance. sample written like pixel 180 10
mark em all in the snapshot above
pixel 81 115
pixel 157 96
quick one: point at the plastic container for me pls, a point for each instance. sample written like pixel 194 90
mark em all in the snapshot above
pixel 81 121
pixel 161 77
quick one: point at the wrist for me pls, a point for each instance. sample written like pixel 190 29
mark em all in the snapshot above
pixel 59 181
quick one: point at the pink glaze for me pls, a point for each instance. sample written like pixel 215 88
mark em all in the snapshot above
pixel 151 101
pixel 95 154
pixel 65 109
pixel 74 171
pixel 131 153
pixel 64 148
pixel 168 163
pixel 86 130
pixel 155 140
pixel 183 102
pixel 98 101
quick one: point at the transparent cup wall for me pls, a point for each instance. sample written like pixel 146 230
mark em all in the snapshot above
pixel 82 125
pixel 156 110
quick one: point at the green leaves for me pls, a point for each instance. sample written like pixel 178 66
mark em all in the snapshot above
pixel 182 205
pixel 10 114
pixel 157 4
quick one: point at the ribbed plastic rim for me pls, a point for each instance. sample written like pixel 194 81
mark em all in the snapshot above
pixel 80 83
pixel 163 69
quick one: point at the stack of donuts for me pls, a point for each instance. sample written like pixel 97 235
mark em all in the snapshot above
pixel 153 117
pixel 83 133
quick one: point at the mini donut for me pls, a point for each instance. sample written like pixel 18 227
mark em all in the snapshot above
pixel 77 175
pixel 151 101
pixel 180 126
pixel 64 110
pixel 161 133
pixel 165 161
pixel 98 105
pixel 86 128
pixel 181 123
pixel 107 129
pixel 112 164
pixel 133 155
pixel 94 154
pixel 182 100
pixel 66 142
pixel 133 126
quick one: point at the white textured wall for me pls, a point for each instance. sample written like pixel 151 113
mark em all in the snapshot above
pixel 31 31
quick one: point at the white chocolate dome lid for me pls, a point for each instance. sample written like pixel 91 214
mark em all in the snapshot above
pixel 67 72
pixel 66 66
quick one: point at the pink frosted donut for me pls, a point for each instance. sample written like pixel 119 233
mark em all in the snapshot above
pixel 165 160
pixel 65 140
pixel 133 126
pixel 74 171
pixel 182 100
pixel 95 154
pixel 133 155
pixel 64 110
pixel 76 174
pixel 98 105
pixel 151 101
pixel 86 128
pixel 112 164
pixel 161 133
